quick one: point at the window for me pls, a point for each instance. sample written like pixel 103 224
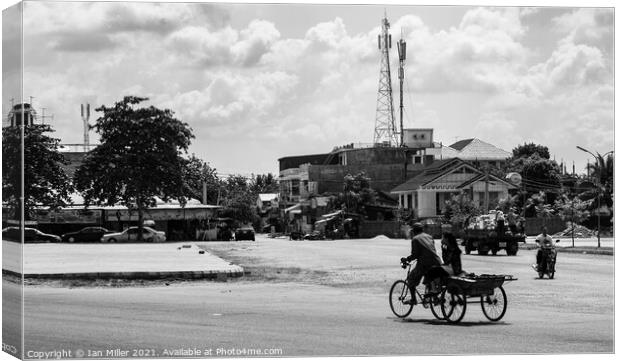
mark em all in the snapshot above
pixel 295 187
pixel 417 159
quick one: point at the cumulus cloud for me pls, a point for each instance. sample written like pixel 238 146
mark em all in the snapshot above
pixel 585 25
pixel 475 56
pixel 255 41
pixel 482 76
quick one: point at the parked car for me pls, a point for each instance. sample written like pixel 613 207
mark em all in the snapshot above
pixel 30 235
pixel 245 234
pixel 131 235
pixel 88 234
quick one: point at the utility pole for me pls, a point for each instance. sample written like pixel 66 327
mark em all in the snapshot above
pixel 486 191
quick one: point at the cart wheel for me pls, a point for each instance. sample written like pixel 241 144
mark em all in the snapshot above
pixel 454 304
pixel 483 252
pixel 494 306
pixel 400 293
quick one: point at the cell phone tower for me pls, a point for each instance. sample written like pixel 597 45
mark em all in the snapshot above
pixel 385 132
pixel 85 112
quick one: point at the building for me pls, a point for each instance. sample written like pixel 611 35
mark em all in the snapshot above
pixel 477 151
pixel 426 193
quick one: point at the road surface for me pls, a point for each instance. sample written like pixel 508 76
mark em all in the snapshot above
pixel 322 298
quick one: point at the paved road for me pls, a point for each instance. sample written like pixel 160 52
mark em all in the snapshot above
pixel 326 298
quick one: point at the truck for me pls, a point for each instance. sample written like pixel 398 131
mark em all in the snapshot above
pixel 489 233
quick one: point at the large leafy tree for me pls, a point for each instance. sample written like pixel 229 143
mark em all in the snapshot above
pixel 197 173
pixel 140 157
pixel 529 149
pixel 459 209
pixel 356 194
pixel 45 181
pixel 264 183
pixel 538 173
pixel 603 171
pixel 239 201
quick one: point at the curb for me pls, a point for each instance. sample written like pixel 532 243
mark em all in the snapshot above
pixel 219 275
pixel 606 251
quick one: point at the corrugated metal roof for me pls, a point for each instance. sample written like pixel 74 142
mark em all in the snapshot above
pixel 435 170
pixel 476 149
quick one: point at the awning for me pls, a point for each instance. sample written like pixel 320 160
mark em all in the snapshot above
pixel 289 209
pixel 331 215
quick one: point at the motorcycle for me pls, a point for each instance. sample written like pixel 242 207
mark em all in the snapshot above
pixel 547 260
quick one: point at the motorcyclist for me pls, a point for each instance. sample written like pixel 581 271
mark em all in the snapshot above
pixel 545 243
pixel 422 249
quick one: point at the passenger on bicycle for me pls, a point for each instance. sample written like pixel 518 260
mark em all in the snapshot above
pixel 450 252
pixel 422 249
pixel 544 242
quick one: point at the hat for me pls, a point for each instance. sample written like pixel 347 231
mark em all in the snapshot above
pixel 417 227
pixel 446 228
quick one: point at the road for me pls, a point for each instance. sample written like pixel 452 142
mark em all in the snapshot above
pixel 325 298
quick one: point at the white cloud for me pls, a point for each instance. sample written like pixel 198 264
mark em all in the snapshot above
pixel 255 41
pixel 585 25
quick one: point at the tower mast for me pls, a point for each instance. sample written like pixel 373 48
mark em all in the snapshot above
pixel 402 55
pixel 384 120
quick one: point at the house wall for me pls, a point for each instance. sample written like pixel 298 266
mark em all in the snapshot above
pixel 374 156
pixel 426 204
pixel 330 178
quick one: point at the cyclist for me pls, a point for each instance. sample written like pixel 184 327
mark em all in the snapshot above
pixel 422 249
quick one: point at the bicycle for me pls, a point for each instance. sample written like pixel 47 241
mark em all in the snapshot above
pixel 403 298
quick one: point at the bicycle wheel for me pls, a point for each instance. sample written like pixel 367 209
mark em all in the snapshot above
pixel 453 305
pixel 399 293
pixel 436 302
pixel 494 306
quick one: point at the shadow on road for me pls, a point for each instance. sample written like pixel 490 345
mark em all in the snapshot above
pixel 441 322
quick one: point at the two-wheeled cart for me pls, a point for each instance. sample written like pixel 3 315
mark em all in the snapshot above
pixel 449 301
pixel 486 289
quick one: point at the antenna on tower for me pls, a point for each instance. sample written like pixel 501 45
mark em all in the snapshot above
pixel 384 120
pixel 402 56
pixel 85 112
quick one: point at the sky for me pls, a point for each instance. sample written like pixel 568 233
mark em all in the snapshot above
pixel 259 82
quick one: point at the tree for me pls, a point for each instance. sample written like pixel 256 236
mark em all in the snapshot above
pixel 572 210
pixel 45 181
pixel 539 205
pixel 459 209
pixel 603 171
pixel 356 194
pixel 264 183
pixel 198 172
pixel 539 174
pixel 139 157
pixel 239 201
pixel 529 149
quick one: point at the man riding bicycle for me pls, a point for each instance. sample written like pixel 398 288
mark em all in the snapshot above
pixel 422 249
